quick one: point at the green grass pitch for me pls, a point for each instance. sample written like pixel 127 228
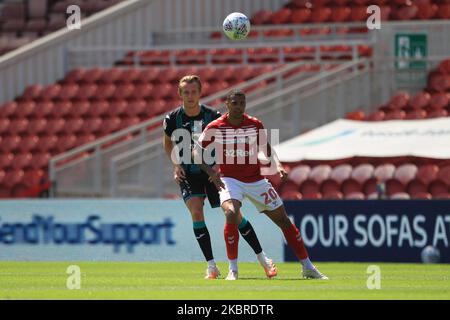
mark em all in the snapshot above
pixel 184 280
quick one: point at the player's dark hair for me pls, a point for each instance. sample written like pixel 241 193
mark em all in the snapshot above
pixel 235 93
pixel 192 78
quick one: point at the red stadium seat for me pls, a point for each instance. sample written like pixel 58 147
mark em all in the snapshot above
pixel 320 15
pixel 47 143
pixel 300 15
pixel 426 11
pixel 43 109
pixel 161 90
pixel 32 177
pixel 50 92
pixel 439 100
pixel 129 121
pixel 147 75
pixel 74 76
pixel 141 91
pixel 337 177
pixel 444 11
pixel 444 175
pixel 281 16
pixel 395 114
pixel 105 91
pixel 6 160
pixel 117 108
pixel 400 196
pixel 299 174
pixel 291 195
pixel 97 109
pixel 320 173
pixel 439 82
pixel 394 186
pixel 110 125
pixel 340 14
pixel 22 160
pixel 129 75
pixel 65 143
pixel 355 196
pixel 32 92
pixel 92 125
pixel 4 125
pixel 28 143
pixel 384 172
pixel 86 91
pixel 261 17
pixel 18 126
pixel 376 116
pixel 135 108
pixel 309 187
pixel 312 196
pixel 442 196
pixel 437 113
pixel 36 126
pixel 405 173
pixel 437 187
pixel 333 195
pixel 68 92
pixel 61 109
pixel 84 139
pixel 92 75
pixel 414 114
pixel 80 109
pixel 13 177
pixel 25 109
pixel 444 66
pixel 8 109
pixel 407 12
pixel 168 74
pixel 40 160
pixel 55 126
pixel 421 195
pixel 288 185
pixel 399 101
pixel 9 143
pixel 420 100
pixel 110 75
pixel 358 13
pixel 73 126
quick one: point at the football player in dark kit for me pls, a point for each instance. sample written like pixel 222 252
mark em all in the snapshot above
pixel 189 120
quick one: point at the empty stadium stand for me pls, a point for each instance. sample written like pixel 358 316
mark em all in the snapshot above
pixel 85 105
pixel 22 21
pixel 403 178
pixel 432 102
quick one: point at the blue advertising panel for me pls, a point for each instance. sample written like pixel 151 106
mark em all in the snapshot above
pixel 373 230
pixel 119 230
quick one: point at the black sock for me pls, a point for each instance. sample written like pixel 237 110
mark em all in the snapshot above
pixel 204 241
pixel 248 233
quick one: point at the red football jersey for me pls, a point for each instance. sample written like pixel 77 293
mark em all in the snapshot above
pixel 236 147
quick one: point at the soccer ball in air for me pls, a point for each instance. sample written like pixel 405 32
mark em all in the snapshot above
pixel 430 254
pixel 236 26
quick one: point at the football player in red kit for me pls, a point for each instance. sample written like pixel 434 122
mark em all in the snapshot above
pixel 236 140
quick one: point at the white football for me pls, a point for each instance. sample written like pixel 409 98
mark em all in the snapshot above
pixel 430 254
pixel 236 26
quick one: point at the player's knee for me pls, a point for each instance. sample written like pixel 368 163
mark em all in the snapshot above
pixel 231 215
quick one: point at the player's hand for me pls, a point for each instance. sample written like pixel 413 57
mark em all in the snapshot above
pixel 283 174
pixel 215 178
pixel 178 173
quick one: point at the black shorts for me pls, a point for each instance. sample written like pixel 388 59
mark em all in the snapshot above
pixel 198 185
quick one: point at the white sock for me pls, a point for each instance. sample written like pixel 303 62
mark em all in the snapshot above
pixel 211 263
pixel 261 258
pixel 233 265
pixel 307 264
